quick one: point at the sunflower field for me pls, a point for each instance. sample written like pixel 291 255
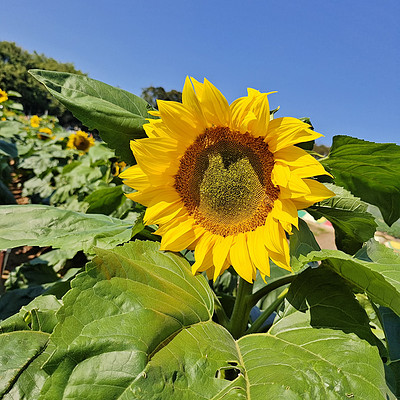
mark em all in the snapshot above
pixel 170 260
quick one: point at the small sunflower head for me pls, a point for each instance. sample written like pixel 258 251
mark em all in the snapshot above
pixel 47 134
pixel 3 96
pixel 80 140
pixel 119 167
pixel 35 121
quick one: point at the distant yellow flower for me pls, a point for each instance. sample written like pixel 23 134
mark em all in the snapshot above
pixel 80 141
pixel 225 181
pixel 119 166
pixel 3 96
pixel 48 133
pixel 35 121
pixel 3 118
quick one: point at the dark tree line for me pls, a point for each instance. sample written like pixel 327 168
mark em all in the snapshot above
pixel 14 65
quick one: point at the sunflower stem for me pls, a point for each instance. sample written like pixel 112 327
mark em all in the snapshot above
pixel 241 309
pixel 259 322
pixel 275 284
pixel 145 234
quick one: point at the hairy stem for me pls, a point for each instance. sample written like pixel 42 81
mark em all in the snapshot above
pixel 241 310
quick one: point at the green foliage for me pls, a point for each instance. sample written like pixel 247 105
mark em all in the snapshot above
pixel 136 324
pixel 151 94
pixel 118 115
pixel 349 216
pixel 64 229
pixel 183 354
pixel 379 277
pixel 369 170
pixel 14 65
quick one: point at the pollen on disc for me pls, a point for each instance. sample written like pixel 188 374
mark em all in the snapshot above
pixel 224 180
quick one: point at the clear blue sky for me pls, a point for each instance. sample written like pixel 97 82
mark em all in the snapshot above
pixel 336 61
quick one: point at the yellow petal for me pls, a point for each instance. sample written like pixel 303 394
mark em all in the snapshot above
pixel 257 250
pixel 203 252
pixel 275 240
pixel 180 237
pixel 220 252
pixel 242 114
pixel 260 108
pixel 198 87
pixel 162 212
pixel 135 178
pixel 300 162
pixel 280 174
pixel 284 132
pixel 282 260
pixel 296 187
pixel 154 195
pixel 181 121
pixel 284 210
pixel 215 106
pixel 239 255
pixel 190 100
pixel 318 192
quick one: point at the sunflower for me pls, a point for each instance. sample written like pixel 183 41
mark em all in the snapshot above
pixel 80 140
pixel 35 121
pixel 48 134
pixel 3 96
pixel 224 181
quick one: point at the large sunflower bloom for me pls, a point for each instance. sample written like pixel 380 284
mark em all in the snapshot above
pixel 225 181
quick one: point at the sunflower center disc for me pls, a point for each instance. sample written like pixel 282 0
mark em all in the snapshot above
pixel 224 180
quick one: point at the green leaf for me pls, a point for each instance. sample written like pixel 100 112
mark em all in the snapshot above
pixel 105 200
pixel 13 300
pixel 302 242
pixel 369 170
pixel 393 230
pixel 8 129
pixel 25 348
pixel 18 352
pixel 8 149
pixel 353 224
pixel 6 197
pixel 16 106
pixel 117 115
pixel 137 325
pixel 325 301
pixel 308 363
pixel 130 287
pixel 13 93
pixel 379 277
pixel 37 225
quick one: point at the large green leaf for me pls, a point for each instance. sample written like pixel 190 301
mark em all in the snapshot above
pixel 302 242
pixel 369 170
pixel 325 301
pixel 19 350
pixel 105 200
pixel 353 224
pixel 23 339
pixel 8 129
pixel 137 325
pixel 8 149
pixel 38 225
pixel 118 115
pixel 375 270
pixel 6 197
